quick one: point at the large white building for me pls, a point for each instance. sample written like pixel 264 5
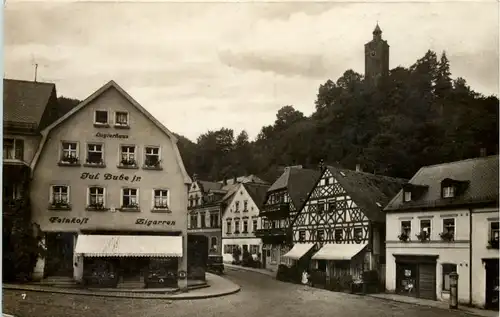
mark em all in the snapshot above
pixel 447 221
pixel 240 220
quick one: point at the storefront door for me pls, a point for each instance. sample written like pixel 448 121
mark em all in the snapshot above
pixel 133 268
pixel 59 259
pixel 406 279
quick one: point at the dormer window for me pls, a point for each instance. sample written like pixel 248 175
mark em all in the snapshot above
pixel 407 196
pixel 101 117
pixel 448 192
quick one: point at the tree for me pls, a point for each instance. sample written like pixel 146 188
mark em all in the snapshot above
pixel 443 85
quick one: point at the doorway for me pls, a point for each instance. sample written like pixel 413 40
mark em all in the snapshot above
pixel 59 259
pixel 133 268
pixel 492 285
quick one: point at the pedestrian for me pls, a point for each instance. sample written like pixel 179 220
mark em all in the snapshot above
pixel 305 278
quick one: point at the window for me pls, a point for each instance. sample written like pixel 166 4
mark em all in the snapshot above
pixel 228 225
pixel 327 180
pixel 274 255
pixel 13 149
pixel 194 220
pixel 406 227
pixel 130 198
pixel 214 220
pixel 101 117
pixel 448 192
pixel 302 235
pixel 332 205
pixel 245 226
pixel 494 231
pixel 96 198
pixel 127 155
pixel 236 226
pixel 59 196
pixel 213 243
pixel 322 182
pixel 358 233
pixel 203 219
pixel 69 153
pixel 447 269
pixel 407 196
pixel 321 235
pixel 449 226
pixel 245 205
pixel 152 157
pixel 237 206
pixel 121 118
pixel 425 229
pixel 160 197
pixel 255 225
pixel 95 155
pixel 254 249
pixel 338 235
pixel 321 207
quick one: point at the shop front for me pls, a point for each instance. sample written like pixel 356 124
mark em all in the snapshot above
pixel 491 266
pixel 416 276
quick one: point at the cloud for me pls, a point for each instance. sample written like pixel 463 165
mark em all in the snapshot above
pixel 200 66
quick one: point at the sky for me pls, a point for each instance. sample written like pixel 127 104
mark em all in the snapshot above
pixel 203 66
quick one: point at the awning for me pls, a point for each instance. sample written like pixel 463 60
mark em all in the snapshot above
pixel 129 246
pixel 298 250
pixel 338 251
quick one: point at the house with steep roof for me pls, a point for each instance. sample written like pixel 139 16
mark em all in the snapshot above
pixel 283 200
pixel 341 228
pixel 240 220
pixel 444 220
pixel 111 195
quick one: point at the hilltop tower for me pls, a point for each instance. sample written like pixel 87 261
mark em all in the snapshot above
pixel 376 57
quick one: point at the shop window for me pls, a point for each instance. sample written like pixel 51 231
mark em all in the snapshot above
pixel 302 235
pixel 101 117
pixel 121 119
pixel 254 249
pixel 95 154
pixel 69 153
pixel 447 269
pixel 152 157
pixel 160 199
pixel 127 156
pixel 130 198
pixel 406 279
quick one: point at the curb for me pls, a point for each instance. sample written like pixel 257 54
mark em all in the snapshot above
pixel 238 268
pixel 182 296
pixel 430 306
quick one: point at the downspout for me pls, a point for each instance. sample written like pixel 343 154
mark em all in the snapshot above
pixel 470 256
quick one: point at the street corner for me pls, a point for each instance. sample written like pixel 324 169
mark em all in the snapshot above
pixel 218 286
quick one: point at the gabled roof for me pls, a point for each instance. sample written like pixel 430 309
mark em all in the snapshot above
pixel 369 191
pixel 298 182
pixel 257 192
pixel 207 186
pixel 26 101
pixel 100 91
pixel 480 173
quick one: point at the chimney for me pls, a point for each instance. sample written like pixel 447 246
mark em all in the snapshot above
pixel 358 168
pixel 482 152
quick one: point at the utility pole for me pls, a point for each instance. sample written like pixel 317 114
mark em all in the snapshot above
pixel 36 70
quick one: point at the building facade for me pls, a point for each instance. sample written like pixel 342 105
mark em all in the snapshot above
pixel 446 216
pixel 342 222
pixel 111 192
pixel 283 200
pixel 241 220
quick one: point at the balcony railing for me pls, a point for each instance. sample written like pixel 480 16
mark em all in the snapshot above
pixel 276 211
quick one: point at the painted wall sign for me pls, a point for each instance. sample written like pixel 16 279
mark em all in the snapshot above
pixel 147 222
pixel 77 220
pixel 111 135
pixel 111 177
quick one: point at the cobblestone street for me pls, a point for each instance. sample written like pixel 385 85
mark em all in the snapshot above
pixel 260 296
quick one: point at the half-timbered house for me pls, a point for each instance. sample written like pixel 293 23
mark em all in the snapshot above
pixel 343 220
pixel 283 199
